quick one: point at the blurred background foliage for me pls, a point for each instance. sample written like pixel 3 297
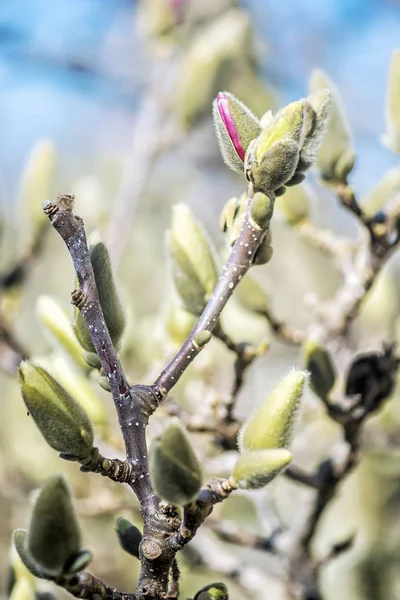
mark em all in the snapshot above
pixel 112 101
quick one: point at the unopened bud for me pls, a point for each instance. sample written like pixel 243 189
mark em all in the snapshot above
pixel 214 591
pixel 54 536
pixel 272 424
pixel 174 469
pixel 322 373
pixel 19 541
pixel 61 420
pixel 255 469
pixel 129 536
pixel 236 127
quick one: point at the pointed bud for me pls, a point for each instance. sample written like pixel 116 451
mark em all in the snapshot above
pixel 129 536
pixel 214 591
pixel 78 385
pixel 236 127
pixel 252 296
pixel 228 214
pixel 336 157
pixel 272 424
pixel 392 136
pixel 255 469
pixel 58 324
pixel 37 184
pixel 179 324
pixel 20 544
pixel 322 372
pixel 192 260
pixel 113 312
pixel 265 250
pixel 61 420
pixel 54 536
pixel 23 590
pixel 287 145
pixel 386 190
pixel 174 469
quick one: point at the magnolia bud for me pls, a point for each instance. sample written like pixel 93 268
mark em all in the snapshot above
pixel 255 469
pixel 232 217
pixel 336 157
pixel 261 211
pixel 77 562
pixel 214 591
pixel 236 127
pixel 61 420
pixel 392 136
pixel 271 425
pixel 54 537
pixel 192 260
pixel 113 312
pixel 58 324
pixel 287 145
pixel 174 469
pixel 322 372
pixel 129 536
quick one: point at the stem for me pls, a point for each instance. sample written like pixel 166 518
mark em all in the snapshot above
pixel 239 262
pixel 131 404
pixel 87 586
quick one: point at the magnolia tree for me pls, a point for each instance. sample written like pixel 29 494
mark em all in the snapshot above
pixel 273 154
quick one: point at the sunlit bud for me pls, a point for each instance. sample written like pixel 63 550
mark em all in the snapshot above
pixel 214 591
pixel 272 424
pixel 236 127
pixel 255 469
pixel 61 420
pixel 192 260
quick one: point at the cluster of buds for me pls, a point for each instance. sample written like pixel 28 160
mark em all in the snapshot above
pixel 275 151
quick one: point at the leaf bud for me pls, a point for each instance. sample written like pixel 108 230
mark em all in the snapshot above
pixel 236 127
pixel 53 536
pixel 214 591
pixel 318 362
pixel 174 469
pixel 192 260
pixel 61 420
pixel 113 312
pixel 129 536
pixel 261 211
pixel 255 469
pixel 272 424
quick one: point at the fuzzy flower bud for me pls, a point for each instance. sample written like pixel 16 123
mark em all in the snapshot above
pixel 255 469
pixel 174 469
pixel 287 145
pixel 272 424
pixel 322 372
pixel 214 591
pixel 236 127
pixel 61 420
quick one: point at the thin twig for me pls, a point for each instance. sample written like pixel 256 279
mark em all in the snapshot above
pixel 87 586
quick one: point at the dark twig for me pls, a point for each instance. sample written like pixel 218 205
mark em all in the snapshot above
pixel 131 404
pixel 87 586
pixel 239 262
pixel 227 532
